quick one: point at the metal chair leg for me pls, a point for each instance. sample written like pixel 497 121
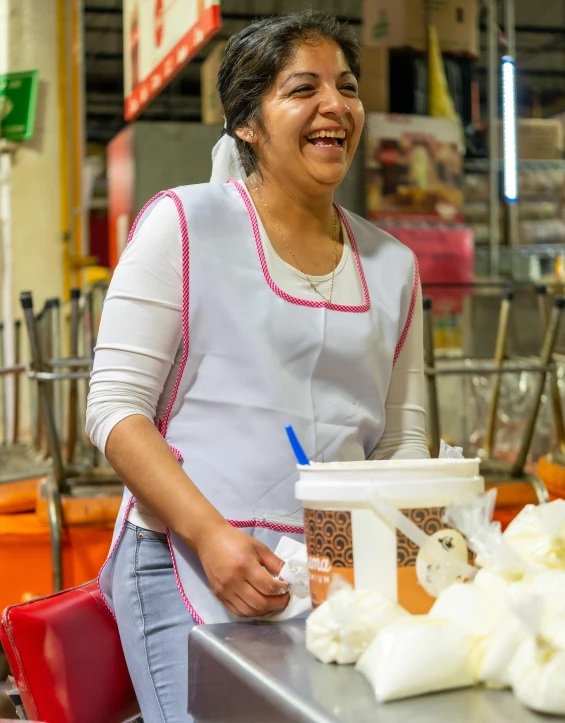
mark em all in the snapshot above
pixel 545 358
pixel 91 322
pixel 90 331
pixel 56 354
pixel 499 354
pixel 553 380
pixel 42 444
pixel 429 356
pixel 539 488
pixel 56 532
pixel 73 384
pixel 48 351
pixel 18 361
pixel 38 364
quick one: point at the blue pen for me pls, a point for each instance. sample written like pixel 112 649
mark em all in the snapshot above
pixel 299 453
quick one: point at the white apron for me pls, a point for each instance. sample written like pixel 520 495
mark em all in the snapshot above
pixel 256 359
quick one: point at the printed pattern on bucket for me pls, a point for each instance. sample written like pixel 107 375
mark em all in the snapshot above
pixel 329 542
pixel 416 574
pixel 430 521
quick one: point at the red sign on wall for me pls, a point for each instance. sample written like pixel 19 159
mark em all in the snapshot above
pixel 160 38
pixel 446 256
pixel 121 174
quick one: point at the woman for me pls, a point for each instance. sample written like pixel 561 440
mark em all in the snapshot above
pixel 239 308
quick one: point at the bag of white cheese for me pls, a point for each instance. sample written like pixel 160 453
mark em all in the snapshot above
pixel 416 655
pixel 481 607
pixel 498 651
pixel 537 671
pixel 549 586
pixel 344 626
pixel 537 534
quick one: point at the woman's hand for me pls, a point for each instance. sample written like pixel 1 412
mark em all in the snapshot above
pixel 241 571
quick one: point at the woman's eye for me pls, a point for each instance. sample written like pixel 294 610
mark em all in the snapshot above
pixel 350 87
pixel 302 89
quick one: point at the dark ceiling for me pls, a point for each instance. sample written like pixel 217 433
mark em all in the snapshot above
pixel 540 29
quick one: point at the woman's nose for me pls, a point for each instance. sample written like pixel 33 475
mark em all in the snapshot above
pixel 333 102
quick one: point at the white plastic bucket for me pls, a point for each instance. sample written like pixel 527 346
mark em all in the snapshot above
pixel 346 538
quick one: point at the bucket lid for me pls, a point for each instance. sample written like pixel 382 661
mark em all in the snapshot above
pixel 438 491
pixel 394 469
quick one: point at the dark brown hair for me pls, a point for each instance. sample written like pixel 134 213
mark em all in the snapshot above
pixel 256 55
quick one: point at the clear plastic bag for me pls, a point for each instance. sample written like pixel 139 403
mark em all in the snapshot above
pixel 446 451
pixel 474 519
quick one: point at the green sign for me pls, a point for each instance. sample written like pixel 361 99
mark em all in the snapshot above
pixel 381 27
pixel 18 101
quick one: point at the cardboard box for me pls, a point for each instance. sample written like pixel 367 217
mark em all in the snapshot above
pixel 212 113
pixel 400 23
pixel 414 168
pixel 374 84
pixel 539 139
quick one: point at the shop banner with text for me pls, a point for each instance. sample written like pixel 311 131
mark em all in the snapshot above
pixel 160 38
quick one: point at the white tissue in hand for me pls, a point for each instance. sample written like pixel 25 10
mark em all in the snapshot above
pixel 416 655
pixel 295 570
pixel 538 535
pixel 537 673
pixel 344 626
pixel 295 573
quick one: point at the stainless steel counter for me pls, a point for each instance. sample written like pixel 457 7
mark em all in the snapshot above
pixel 262 673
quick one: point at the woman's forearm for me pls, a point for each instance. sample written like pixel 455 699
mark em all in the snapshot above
pixel 241 570
pixel 147 467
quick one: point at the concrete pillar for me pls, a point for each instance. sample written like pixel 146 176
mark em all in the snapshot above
pixel 35 187
pixel 34 184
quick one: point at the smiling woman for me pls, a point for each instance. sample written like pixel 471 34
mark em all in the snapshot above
pixel 255 57
pixel 288 87
pixel 314 98
pixel 238 308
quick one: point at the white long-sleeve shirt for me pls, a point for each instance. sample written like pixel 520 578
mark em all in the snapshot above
pixel 139 343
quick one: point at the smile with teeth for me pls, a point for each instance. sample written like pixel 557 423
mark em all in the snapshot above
pixel 327 138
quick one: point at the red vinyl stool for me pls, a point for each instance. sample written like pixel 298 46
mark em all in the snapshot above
pixel 66 659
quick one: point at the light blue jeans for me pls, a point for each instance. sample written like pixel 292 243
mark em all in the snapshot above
pixel 154 625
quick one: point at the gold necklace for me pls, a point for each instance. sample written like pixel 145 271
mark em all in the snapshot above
pixel 296 261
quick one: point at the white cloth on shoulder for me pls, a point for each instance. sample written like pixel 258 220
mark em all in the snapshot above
pixel 226 162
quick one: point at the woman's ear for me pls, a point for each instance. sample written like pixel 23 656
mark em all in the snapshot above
pixel 247 134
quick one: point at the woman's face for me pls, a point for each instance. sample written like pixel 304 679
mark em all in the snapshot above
pixel 313 119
